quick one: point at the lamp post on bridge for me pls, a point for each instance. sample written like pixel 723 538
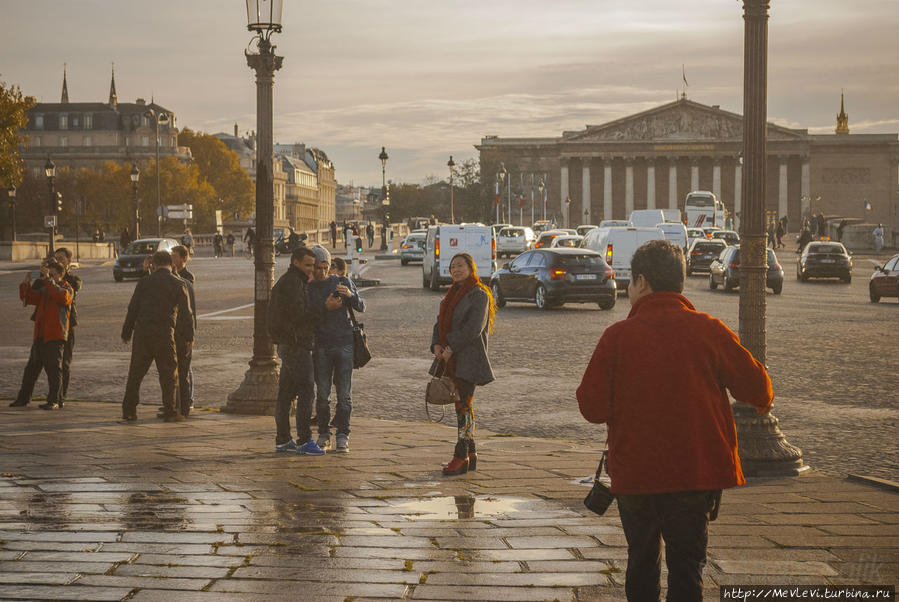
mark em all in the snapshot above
pixel 135 177
pixel 451 164
pixel 11 204
pixel 50 172
pixel 158 117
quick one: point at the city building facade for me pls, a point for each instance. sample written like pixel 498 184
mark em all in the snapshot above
pixel 311 186
pixel 654 158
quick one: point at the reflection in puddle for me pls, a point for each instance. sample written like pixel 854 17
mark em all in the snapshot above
pixel 154 511
pixel 460 507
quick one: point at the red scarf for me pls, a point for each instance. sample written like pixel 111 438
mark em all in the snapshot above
pixel 448 306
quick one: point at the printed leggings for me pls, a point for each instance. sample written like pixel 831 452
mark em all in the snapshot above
pixel 465 419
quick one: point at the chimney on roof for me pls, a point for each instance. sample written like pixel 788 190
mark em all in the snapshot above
pixel 235 131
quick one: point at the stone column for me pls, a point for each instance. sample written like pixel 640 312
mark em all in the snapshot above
pixel 607 189
pixel 738 196
pixel 650 183
pixel 804 186
pixel 782 204
pixel 716 179
pixel 694 174
pixel 586 190
pixel 628 188
pixel 563 187
pixel 672 183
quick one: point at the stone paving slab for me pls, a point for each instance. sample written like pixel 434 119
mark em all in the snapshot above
pixel 175 516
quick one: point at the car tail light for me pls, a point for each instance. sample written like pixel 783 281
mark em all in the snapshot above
pixel 609 254
pixel 493 248
pixel 436 247
pixel 734 265
pixel 557 274
pixel 538 245
pixel 407 246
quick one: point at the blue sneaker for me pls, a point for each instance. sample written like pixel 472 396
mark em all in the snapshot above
pixel 290 446
pixel 310 449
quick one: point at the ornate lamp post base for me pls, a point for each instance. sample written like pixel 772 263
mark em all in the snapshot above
pixel 764 451
pixel 257 393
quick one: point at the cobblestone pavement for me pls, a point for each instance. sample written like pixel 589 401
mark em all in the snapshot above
pixel 204 510
pixel 831 354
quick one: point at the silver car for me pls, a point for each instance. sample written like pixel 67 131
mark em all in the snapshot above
pixel 514 240
pixel 413 247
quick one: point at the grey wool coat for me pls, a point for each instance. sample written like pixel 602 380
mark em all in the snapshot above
pixel 468 338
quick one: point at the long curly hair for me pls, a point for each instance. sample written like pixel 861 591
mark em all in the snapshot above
pixel 491 302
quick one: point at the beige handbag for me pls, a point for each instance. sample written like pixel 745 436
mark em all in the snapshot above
pixel 441 389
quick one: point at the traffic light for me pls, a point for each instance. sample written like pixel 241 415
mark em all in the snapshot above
pixel 58 202
pixel 358 244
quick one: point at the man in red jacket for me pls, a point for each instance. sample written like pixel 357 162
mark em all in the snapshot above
pixel 51 327
pixel 659 380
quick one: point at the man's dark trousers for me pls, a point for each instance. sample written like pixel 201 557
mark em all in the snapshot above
pixel 148 347
pixel 297 381
pixel 67 362
pixel 47 356
pixel 185 377
pixel 682 519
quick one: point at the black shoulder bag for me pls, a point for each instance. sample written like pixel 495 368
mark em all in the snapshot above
pixel 600 497
pixel 361 352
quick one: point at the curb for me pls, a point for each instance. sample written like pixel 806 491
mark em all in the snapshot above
pixel 874 482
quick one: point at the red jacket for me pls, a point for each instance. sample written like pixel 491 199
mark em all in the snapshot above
pixel 51 320
pixel 659 380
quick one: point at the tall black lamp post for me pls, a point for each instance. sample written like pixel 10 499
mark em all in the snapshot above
pixel 763 448
pixel 11 203
pixel 157 117
pixel 451 164
pixel 385 197
pixel 135 177
pixel 541 186
pixel 500 180
pixel 258 392
pixel 50 172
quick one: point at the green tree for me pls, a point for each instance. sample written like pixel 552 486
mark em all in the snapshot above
pixel 220 167
pixel 13 120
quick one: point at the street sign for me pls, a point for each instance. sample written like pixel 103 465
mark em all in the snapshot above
pixel 162 211
pixel 180 215
pixel 49 221
pixel 185 207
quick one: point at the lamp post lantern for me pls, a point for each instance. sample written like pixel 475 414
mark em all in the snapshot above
pixel 11 203
pixel 135 177
pixel 763 448
pixel 50 172
pixel 385 197
pixel 258 392
pixel 158 117
pixel 451 164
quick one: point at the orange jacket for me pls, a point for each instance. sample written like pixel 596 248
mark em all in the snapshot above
pixel 659 379
pixel 53 301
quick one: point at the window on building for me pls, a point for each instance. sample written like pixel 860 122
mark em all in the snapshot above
pixel 172 144
pixel 63 122
pixel 145 141
pixel 87 141
pixel 75 122
pixel 63 141
pixel 145 121
pixel 37 141
pixel 37 172
pixel 127 140
pixel 38 122
pixel 88 121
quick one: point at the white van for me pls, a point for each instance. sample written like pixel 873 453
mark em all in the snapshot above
pixel 617 246
pixel 675 232
pixel 445 241
pixel 647 218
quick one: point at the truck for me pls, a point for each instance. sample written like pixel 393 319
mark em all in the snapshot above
pixel 444 241
pixel 703 209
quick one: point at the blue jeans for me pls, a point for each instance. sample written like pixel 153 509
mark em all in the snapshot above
pixel 295 382
pixel 335 365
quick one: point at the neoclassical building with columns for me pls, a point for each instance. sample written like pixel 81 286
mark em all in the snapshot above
pixel 654 158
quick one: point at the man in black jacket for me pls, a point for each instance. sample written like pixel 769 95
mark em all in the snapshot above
pixel 291 325
pixel 184 349
pixel 159 306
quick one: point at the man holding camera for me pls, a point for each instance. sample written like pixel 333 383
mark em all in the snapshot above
pixel 53 299
pixel 659 380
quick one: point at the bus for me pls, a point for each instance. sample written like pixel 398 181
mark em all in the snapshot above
pixel 703 209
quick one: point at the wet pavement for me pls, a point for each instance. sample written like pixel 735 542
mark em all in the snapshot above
pixel 91 508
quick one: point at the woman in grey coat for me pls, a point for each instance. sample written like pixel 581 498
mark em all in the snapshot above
pixel 459 345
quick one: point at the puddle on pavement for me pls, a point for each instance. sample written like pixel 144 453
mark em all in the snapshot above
pixel 462 507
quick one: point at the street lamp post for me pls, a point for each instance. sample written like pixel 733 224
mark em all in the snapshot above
pixel 567 210
pixel 11 203
pixel 135 177
pixel 158 117
pixel 763 448
pixel 451 164
pixel 385 197
pixel 541 188
pixel 50 172
pixel 258 392
pixel 500 180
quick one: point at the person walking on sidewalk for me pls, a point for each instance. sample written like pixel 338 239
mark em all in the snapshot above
pixel 250 240
pixel 159 307
pixel 333 352
pixel 183 348
pixel 187 239
pixel 291 326
pixel 51 327
pixel 459 345
pixel 370 234
pixel 218 244
pixel 672 441
pixel 229 240
pixel 878 238
pixel 332 227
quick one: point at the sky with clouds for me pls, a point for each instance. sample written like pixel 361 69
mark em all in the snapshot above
pixel 429 79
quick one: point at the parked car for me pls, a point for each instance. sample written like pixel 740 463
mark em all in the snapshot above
pixel 552 277
pixel 545 239
pixel 885 280
pixel 413 247
pixel 584 228
pixel 566 240
pixel 824 260
pixel 725 270
pixel 130 262
pixel 728 236
pixel 513 240
pixel 702 253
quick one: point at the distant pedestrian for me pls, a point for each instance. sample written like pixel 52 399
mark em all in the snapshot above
pixel 822 226
pixel 124 239
pixel 459 345
pixel 333 351
pixel 805 237
pixel 229 240
pixel 878 238
pixel 291 326
pixel 332 227
pixel 370 234
pixel 63 257
pixel 183 347
pixel 159 306
pixel 52 300
pixel 250 239
pixel 672 441
pixel 779 234
pixel 840 229
pixel 218 244
pixel 771 238
pixel 187 239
